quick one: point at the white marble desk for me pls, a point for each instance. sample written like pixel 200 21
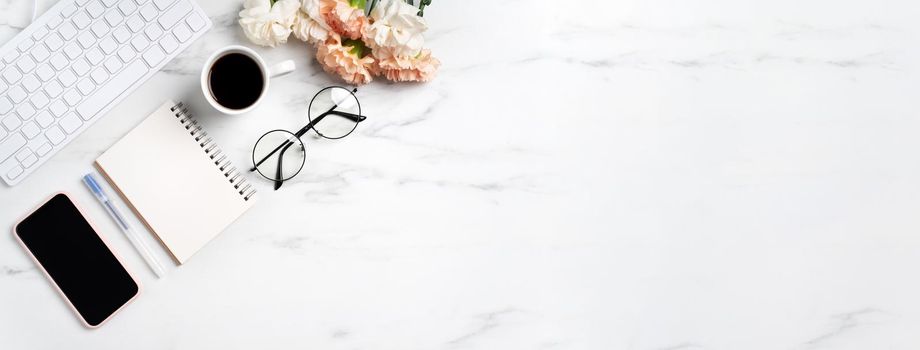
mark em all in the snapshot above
pixel 631 174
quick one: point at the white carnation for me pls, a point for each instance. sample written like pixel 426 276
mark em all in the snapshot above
pixel 396 25
pixel 307 29
pixel 266 24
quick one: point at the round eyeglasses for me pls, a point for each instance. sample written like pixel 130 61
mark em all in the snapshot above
pixel 334 113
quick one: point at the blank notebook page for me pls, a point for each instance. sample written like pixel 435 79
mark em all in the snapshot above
pixel 172 183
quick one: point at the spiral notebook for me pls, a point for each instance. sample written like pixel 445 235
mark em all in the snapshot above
pixel 177 180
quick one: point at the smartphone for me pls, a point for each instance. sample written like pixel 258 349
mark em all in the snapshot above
pixel 77 260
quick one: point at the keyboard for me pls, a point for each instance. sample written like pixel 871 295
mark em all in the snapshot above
pixel 77 61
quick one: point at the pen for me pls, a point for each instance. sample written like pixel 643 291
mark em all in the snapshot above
pixel 142 248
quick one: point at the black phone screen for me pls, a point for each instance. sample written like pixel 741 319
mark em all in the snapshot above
pixel 77 259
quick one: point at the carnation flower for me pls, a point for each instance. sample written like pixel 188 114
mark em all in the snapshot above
pixel 307 29
pixel 268 24
pixel 396 25
pixel 347 58
pixel 345 17
pixel 421 67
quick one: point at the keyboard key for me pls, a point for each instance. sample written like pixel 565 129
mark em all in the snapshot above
pixel 126 53
pixel 43 149
pixel 127 7
pixel 5 105
pixel 135 23
pixel 17 94
pixel 70 123
pixel 44 72
pixel 39 33
pixel 121 34
pixel 67 78
pixel 58 61
pixel 95 9
pixel 139 43
pixel 14 172
pixel 31 83
pixel 54 42
pixel 114 18
pixel 29 160
pixel 80 67
pixel 11 75
pixel 72 97
pixel 195 21
pixel 153 32
pixel 72 51
pixel 68 31
pixel 113 65
pixel 141 2
pixel 82 2
pixel 53 89
pixel 182 33
pixel 30 130
pixel 10 57
pixel 3 86
pixel 54 22
pixel 175 14
pixel 99 29
pixel 11 122
pixel 169 44
pixel 94 56
pixel 58 108
pixel 86 40
pixel 40 53
pixel 25 111
pixel 25 64
pixel 81 20
pixel 39 100
pixel 25 44
pixel 108 45
pixel 99 75
pixel 154 56
pixel 115 87
pixel 148 13
pixel 68 10
pixel 163 4
pixel 44 118
pixel 109 3
pixel 54 134
pixel 11 145
pixel 23 154
pixel 86 86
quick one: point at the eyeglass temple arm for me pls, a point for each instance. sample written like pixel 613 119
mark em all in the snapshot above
pixel 299 133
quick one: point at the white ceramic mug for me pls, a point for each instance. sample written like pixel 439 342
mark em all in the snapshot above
pixel 276 70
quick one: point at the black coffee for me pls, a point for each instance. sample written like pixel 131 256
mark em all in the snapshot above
pixel 235 81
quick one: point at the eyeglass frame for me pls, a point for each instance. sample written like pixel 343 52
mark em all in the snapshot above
pixel 278 181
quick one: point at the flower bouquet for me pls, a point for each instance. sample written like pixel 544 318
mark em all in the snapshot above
pixel 354 39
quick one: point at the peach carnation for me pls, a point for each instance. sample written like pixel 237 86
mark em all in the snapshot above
pixel 349 60
pixel 421 67
pixel 342 18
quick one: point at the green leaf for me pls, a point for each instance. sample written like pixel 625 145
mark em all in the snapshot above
pixel 357 47
pixel 358 4
pixel 273 2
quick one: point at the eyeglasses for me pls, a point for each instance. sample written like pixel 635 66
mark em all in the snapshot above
pixel 334 113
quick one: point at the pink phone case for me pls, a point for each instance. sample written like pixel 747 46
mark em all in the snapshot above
pixel 104 241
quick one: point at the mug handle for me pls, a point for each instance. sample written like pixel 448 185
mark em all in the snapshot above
pixel 281 68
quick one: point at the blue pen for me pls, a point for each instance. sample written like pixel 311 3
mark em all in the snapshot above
pixel 142 248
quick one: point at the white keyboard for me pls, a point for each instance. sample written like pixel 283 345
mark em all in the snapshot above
pixel 76 62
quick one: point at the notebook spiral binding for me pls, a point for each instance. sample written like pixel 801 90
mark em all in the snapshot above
pixel 210 148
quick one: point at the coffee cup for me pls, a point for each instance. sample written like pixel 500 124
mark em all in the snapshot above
pixel 235 78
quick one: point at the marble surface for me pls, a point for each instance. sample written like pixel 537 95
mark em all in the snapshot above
pixel 635 174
